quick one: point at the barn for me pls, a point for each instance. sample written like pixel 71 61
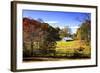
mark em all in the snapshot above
pixel 67 39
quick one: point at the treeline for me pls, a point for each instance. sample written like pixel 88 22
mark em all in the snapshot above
pixel 84 32
pixel 39 38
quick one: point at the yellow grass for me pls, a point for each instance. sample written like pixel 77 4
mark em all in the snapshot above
pixel 70 46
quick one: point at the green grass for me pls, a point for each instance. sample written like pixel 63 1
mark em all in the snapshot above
pixel 71 46
pixel 67 45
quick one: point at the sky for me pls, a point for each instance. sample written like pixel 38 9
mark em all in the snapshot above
pixel 58 19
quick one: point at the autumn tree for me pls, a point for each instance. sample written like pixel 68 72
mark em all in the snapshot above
pixel 84 32
pixel 38 36
pixel 51 35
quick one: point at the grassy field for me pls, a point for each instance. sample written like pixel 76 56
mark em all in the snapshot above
pixel 70 47
pixel 65 50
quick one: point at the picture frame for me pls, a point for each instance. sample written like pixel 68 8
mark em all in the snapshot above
pixel 23 12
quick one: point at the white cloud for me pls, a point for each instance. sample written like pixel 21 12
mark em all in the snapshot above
pixel 74 27
pixel 52 22
pixel 61 27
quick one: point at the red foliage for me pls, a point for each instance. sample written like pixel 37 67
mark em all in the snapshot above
pixel 30 24
pixel 26 21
